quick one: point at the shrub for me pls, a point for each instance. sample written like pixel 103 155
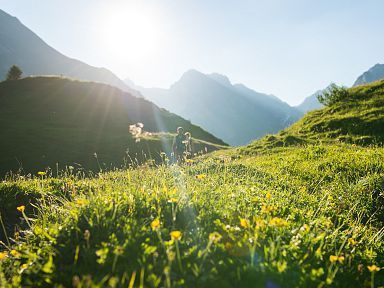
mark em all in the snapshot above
pixel 333 94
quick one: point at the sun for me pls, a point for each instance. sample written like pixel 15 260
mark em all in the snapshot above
pixel 129 31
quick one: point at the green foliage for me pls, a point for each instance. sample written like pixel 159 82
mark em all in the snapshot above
pixel 332 95
pixel 14 73
pixel 295 217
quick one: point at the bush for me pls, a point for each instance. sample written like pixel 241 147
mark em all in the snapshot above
pixel 333 94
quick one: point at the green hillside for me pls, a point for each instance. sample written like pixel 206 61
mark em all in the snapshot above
pixel 308 215
pixel 48 120
pixel 358 119
pixel 296 217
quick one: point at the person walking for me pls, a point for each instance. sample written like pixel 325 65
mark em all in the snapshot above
pixel 188 145
pixel 178 146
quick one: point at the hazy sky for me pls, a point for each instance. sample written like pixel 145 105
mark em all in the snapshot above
pixel 289 48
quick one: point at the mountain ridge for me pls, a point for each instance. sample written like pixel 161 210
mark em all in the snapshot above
pixel 374 73
pixel 22 47
pixel 233 112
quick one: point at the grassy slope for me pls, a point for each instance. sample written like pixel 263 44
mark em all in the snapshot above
pixel 359 120
pixel 298 216
pixel 275 219
pixel 48 120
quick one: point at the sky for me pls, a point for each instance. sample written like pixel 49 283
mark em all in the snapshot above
pixel 289 48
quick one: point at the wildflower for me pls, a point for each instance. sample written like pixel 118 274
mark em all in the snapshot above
pixel 3 255
pixel 278 222
pixel 171 255
pixel 201 176
pixel 155 224
pixel 228 246
pixel 267 209
pixel 172 200
pixel 268 195
pixel 118 250
pixel 352 241
pixel 305 228
pixel 21 208
pixel 260 223
pixel 315 273
pixel 81 202
pixel 214 237
pixel 373 268
pixel 15 253
pixel 24 266
pixel 41 173
pixel 244 223
pixel 334 258
pixel 176 235
pixel 188 161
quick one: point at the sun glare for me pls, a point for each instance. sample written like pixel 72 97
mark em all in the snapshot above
pixel 130 31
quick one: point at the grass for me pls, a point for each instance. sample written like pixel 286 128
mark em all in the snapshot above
pixel 302 208
pixel 294 217
pixel 357 120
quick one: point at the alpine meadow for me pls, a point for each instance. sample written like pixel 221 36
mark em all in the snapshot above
pixel 101 187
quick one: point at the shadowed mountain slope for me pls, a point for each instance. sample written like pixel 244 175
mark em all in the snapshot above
pixel 47 120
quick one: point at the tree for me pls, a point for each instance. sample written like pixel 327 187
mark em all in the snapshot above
pixel 332 95
pixel 14 73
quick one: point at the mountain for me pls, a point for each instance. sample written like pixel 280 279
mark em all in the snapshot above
pixel 311 103
pixel 49 120
pixel 373 74
pixel 357 119
pixel 234 113
pixel 22 47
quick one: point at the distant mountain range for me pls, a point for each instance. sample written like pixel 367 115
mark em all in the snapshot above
pixel 233 113
pixel 373 74
pixel 22 47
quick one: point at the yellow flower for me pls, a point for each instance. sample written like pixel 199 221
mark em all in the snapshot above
pixel 41 173
pixel 189 161
pixel 81 202
pixel 214 237
pixel 373 268
pixel 201 176
pixel 176 235
pixel 334 258
pixel 278 222
pixel 155 224
pixel 15 253
pixel 172 200
pixel 244 223
pixel 24 266
pixel 352 241
pixel 3 255
pixel 21 208
pixel 267 209
pixel 260 223
pixel 268 195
